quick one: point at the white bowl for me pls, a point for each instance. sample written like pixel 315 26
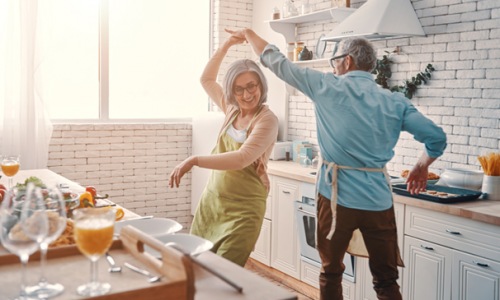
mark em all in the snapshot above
pixel 153 226
pixel 190 243
pixel 462 178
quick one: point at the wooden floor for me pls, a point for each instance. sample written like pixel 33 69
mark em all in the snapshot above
pixel 303 290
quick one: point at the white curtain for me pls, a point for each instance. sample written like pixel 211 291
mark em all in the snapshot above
pixel 25 127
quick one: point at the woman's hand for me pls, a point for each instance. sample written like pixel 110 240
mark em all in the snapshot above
pixel 180 170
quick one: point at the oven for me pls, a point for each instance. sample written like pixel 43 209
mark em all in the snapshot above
pixel 305 210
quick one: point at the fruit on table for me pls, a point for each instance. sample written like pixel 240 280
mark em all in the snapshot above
pixel 91 190
pixel 86 200
pixel 119 213
pixel 3 190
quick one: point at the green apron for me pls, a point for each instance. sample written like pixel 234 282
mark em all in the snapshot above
pixel 232 207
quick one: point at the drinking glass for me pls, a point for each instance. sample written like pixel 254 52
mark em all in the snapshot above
pixel 53 204
pixel 93 231
pixel 10 167
pixel 12 231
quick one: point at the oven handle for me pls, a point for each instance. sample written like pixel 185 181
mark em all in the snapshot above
pixel 305 211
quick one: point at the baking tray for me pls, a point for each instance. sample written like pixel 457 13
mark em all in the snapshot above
pixel 453 194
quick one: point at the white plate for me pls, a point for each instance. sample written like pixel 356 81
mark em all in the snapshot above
pixel 153 226
pixel 320 47
pixel 191 244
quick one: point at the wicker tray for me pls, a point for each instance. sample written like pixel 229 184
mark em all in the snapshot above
pixel 453 194
pixel 66 265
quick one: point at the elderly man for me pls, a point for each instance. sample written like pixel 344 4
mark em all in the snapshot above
pixel 358 126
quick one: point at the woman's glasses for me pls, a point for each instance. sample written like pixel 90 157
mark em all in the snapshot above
pixel 333 59
pixel 251 88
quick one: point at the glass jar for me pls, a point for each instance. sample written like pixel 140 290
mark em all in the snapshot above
pixel 276 13
pixel 298 47
pixel 290 50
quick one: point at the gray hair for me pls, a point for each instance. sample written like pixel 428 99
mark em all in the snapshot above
pixel 361 51
pixel 236 69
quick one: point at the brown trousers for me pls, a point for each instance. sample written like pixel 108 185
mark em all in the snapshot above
pixel 378 229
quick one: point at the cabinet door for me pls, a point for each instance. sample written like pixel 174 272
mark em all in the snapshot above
pixel 262 250
pixel 475 277
pixel 285 255
pixel 427 273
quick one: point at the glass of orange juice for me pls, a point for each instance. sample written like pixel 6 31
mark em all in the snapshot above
pixel 93 230
pixel 10 167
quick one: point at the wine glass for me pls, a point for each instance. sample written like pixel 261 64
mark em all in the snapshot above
pixel 51 201
pixel 93 231
pixel 12 234
pixel 10 167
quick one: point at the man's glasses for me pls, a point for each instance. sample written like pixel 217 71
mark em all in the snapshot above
pixel 251 88
pixel 333 59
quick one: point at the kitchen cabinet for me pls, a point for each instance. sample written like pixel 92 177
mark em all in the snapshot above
pixel 262 249
pixel 475 277
pixel 428 270
pixel 449 257
pixel 309 273
pixel 285 255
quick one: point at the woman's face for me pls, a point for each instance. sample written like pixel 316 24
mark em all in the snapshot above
pixel 247 90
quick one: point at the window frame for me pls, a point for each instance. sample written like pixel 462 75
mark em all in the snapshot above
pixel 103 67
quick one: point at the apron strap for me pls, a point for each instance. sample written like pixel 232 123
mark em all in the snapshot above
pixel 330 166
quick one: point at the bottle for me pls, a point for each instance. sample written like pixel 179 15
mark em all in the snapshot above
pixel 305 8
pixel 298 47
pixel 287 8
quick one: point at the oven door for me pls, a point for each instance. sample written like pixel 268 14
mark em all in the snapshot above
pixel 306 226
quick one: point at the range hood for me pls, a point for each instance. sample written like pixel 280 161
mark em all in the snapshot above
pixel 379 19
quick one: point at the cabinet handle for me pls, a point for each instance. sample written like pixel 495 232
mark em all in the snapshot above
pixel 480 264
pixel 286 192
pixel 305 211
pixel 453 232
pixel 426 247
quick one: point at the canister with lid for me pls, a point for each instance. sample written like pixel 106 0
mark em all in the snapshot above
pixel 298 47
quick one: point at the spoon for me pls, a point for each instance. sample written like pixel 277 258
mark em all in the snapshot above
pixel 152 278
pixel 113 268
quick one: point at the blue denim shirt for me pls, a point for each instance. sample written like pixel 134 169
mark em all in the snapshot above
pixel 358 125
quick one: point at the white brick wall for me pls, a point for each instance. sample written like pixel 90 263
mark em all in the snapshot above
pixel 130 162
pixel 463 95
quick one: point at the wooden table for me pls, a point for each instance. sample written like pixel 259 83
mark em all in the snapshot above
pixel 208 286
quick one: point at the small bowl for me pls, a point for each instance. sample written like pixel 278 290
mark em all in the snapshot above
pixel 191 244
pixel 153 226
pixel 462 178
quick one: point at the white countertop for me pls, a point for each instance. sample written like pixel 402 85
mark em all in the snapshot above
pixel 487 211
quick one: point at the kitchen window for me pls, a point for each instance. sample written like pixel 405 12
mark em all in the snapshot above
pixel 124 59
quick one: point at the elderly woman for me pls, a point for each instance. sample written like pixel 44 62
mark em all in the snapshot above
pixel 232 206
